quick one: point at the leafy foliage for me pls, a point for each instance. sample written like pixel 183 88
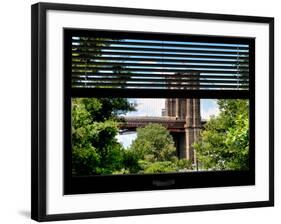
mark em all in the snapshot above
pixel 155 150
pixel 158 167
pixel 84 52
pixel 224 142
pixel 95 149
pixel 165 166
pixel 154 143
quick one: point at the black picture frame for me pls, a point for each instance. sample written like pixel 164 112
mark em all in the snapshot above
pixel 139 182
pixel 39 110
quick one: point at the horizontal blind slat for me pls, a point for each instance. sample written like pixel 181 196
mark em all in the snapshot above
pixel 164 85
pixel 130 49
pixel 166 60
pixel 146 54
pixel 159 71
pixel 223 76
pixel 113 64
pixel 143 80
pixel 164 44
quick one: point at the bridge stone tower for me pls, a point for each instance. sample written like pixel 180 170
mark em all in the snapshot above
pixel 192 126
pixel 188 110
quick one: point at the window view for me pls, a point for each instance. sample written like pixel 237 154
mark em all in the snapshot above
pixel 146 104
pixel 149 135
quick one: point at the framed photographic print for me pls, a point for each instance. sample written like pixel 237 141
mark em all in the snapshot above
pixel 166 111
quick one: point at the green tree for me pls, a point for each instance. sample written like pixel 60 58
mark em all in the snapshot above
pixel 154 143
pixel 88 64
pixel 155 151
pixel 224 142
pixel 95 149
pixel 158 167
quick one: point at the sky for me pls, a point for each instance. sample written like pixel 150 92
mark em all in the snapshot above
pixel 153 107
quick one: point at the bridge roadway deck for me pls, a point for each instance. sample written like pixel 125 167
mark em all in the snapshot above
pixel 171 123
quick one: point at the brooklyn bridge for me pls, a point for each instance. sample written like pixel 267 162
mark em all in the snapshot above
pixel 181 117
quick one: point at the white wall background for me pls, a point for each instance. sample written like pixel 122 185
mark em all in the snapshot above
pixel 15 110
